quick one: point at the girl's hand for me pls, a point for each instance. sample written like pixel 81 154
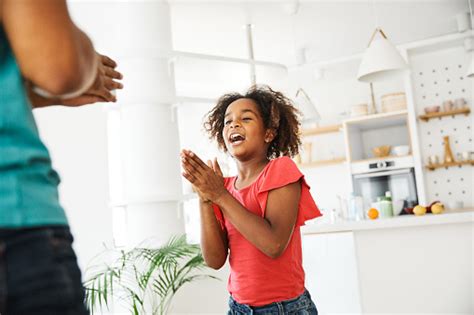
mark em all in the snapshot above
pixel 207 179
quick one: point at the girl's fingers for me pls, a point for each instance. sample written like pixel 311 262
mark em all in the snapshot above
pixel 197 164
pixel 189 169
pixel 196 158
pixel 217 167
pixel 191 166
pixel 189 177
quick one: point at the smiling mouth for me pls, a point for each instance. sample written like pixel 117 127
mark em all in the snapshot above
pixel 236 138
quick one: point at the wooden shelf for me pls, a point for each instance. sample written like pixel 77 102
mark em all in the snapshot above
pixel 323 162
pixel 461 111
pixel 446 165
pixel 321 130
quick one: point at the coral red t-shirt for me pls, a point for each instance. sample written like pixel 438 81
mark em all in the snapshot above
pixel 256 279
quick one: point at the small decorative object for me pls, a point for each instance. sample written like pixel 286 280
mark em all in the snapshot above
pixel 448 154
pixel 433 160
pixel 460 102
pixel 381 151
pixel 393 102
pixel 448 105
pixel 466 156
pixel 455 204
pixel 432 109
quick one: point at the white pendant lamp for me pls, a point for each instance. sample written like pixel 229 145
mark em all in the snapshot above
pixel 381 60
pixel 307 108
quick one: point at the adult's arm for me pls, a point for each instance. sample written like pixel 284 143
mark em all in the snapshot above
pixel 51 51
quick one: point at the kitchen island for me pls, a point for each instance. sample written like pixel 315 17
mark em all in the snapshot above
pixel 405 264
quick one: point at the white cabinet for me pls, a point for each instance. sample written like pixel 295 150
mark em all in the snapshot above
pixel 405 265
pixel 331 272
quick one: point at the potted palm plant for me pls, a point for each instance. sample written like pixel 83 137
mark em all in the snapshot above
pixel 144 279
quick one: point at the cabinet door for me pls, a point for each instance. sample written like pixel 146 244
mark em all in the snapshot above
pixel 331 272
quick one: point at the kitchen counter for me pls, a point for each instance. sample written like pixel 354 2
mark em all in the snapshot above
pixel 447 217
pixel 406 264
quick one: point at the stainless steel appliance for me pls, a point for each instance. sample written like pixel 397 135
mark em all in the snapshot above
pixel 376 178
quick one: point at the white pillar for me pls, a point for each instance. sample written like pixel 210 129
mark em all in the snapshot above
pixel 149 185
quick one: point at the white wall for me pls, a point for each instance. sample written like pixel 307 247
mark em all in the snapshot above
pixel 77 137
pixel 77 141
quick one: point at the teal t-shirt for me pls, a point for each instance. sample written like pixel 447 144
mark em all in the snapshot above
pixel 28 184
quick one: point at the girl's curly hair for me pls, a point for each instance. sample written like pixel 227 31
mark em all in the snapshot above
pixel 277 112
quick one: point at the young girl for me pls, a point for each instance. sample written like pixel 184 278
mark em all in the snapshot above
pixel 255 217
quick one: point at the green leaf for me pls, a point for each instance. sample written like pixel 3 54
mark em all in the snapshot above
pixel 133 274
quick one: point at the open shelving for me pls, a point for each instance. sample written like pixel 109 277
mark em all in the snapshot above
pixel 321 130
pixel 432 167
pixel 454 112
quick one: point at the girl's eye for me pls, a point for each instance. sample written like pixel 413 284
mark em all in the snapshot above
pixel 246 118
pixel 227 122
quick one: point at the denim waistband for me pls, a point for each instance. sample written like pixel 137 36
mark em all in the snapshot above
pixel 302 301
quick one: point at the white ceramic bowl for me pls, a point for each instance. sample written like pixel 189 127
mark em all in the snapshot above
pixel 401 150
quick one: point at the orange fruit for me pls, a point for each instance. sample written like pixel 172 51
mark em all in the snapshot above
pixel 373 213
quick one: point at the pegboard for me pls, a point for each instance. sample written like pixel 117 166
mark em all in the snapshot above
pixel 438 76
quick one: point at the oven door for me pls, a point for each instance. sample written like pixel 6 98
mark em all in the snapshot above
pixel 401 183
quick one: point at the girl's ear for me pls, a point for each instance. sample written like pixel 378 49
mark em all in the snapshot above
pixel 270 135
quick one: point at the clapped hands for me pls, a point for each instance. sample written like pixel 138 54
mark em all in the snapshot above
pixel 207 179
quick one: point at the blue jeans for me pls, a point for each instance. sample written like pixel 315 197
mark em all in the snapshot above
pixel 39 273
pixel 302 305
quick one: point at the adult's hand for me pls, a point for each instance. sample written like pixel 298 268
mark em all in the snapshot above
pixel 105 82
pixel 100 91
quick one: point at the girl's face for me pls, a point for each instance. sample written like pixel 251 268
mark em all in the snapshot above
pixel 244 133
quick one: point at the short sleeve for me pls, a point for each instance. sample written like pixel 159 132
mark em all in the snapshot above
pixel 282 172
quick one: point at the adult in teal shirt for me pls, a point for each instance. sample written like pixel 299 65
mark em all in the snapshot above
pixel 44 60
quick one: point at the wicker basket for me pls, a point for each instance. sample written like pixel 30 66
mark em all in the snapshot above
pixel 393 102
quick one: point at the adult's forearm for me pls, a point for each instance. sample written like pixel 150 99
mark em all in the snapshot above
pixel 88 61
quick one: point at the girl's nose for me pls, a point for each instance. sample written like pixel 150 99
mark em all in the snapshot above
pixel 235 124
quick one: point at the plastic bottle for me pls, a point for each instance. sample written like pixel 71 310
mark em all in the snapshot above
pixel 385 204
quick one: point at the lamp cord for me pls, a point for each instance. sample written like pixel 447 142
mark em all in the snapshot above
pixel 470 12
pixel 375 15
